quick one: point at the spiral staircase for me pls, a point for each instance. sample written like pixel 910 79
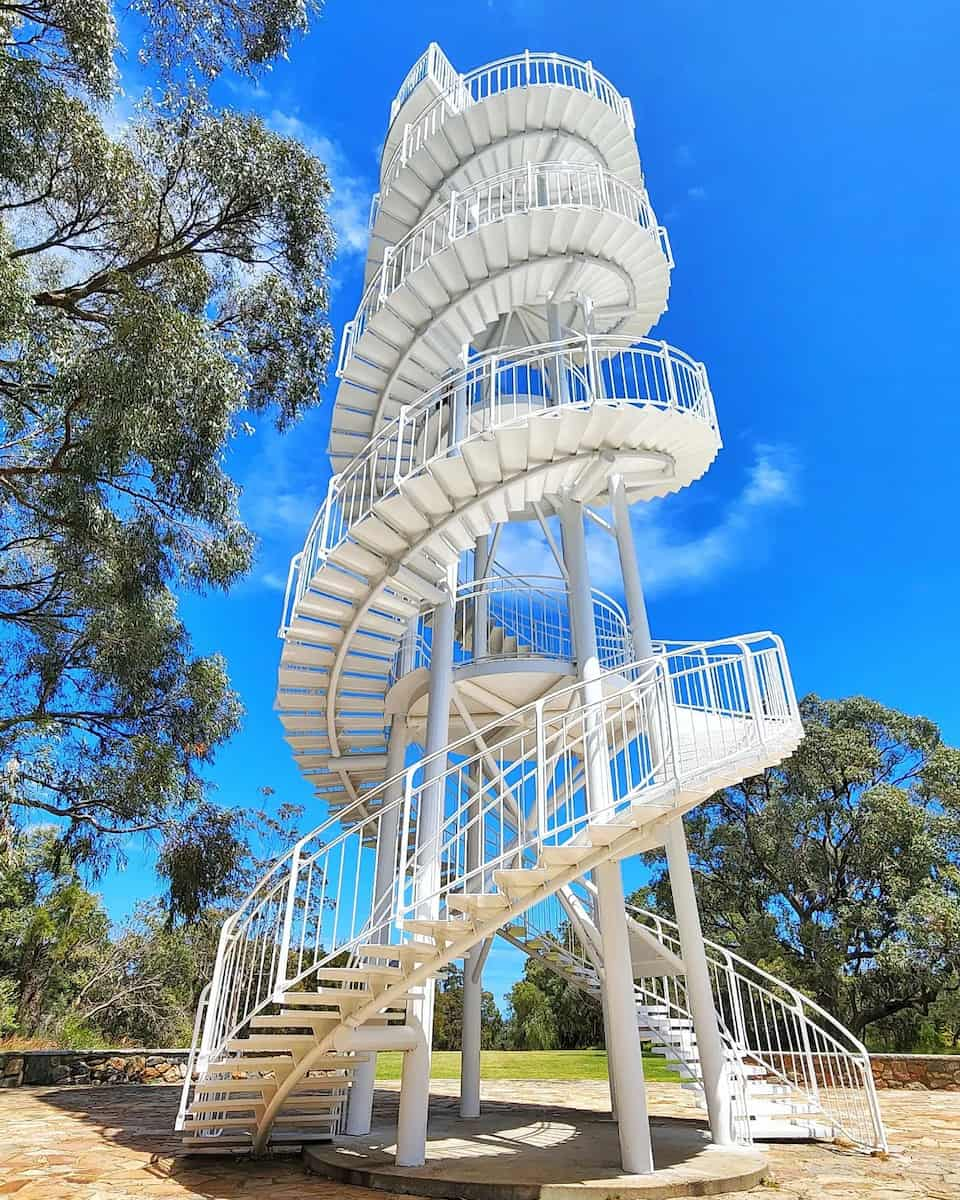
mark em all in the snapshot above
pixel 498 370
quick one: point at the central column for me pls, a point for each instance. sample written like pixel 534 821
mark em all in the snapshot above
pixel 471 1027
pixel 710 1048
pixel 714 1072
pixel 360 1103
pixel 624 1055
pixel 415 1083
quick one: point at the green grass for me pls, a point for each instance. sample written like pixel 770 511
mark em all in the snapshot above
pixel 528 1064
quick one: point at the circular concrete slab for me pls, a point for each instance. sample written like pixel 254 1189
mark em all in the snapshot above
pixel 533 1153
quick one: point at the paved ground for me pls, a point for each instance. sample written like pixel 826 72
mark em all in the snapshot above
pixel 116 1144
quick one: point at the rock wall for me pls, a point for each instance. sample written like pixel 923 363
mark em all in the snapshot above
pixel 44 1067
pixel 38 1068
pixel 917 1072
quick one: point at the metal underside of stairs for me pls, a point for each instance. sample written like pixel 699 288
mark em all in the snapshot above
pixel 487 742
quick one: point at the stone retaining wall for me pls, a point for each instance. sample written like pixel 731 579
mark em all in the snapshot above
pixel 43 1067
pixel 917 1072
pixel 913 1072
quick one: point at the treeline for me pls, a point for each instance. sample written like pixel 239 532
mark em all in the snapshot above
pixel 544 1012
pixel 68 979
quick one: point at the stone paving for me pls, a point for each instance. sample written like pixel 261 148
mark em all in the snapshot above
pixel 88 1143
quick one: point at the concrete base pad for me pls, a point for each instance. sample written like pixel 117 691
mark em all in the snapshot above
pixel 532 1153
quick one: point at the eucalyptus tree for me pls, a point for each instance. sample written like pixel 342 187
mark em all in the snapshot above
pixel 163 282
pixel 840 869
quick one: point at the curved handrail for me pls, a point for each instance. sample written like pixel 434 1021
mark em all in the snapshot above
pixel 518 190
pixel 763 1019
pixel 310 906
pixel 494 391
pixel 559 937
pixel 432 63
pixel 824 1059
pixel 534 609
pixel 530 69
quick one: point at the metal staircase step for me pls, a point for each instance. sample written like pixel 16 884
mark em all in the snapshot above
pixel 256 1087
pixel 306 1120
pixel 293 1019
pixel 441 931
pixel 278 1062
pixel 281 1045
pixel 480 904
pixel 554 857
pixel 227 1106
pixel 521 880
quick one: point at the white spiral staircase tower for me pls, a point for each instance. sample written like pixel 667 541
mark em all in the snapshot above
pixel 490 746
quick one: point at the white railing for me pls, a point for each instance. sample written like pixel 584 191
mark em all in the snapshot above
pixel 558 929
pixel 520 190
pixel 764 1021
pixel 792 1037
pixel 530 69
pixel 534 610
pixel 495 391
pixel 432 64
pixel 518 793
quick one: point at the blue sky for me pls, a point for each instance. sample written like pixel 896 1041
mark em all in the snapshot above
pixel 804 160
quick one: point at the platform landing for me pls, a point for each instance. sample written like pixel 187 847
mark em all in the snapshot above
pixel 535 1153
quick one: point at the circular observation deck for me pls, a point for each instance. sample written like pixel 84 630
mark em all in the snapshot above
pixel 505 433
pixel 547 232
pixel 449 132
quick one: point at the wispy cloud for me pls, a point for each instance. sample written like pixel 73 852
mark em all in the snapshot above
pixel 273 581
pixel 283 486
pixel 350 202
pixel 697 192
pixel 683 156
pixel 672 555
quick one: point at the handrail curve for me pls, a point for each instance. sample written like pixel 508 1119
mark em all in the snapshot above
pixel 519 190
pixel 533 609
pixel 495 391
pixel 310 906
pixel 530 69
pixel 763 1019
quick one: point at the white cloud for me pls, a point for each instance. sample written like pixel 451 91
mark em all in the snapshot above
pixel 683 156
pixel 350 203
pixel 697 192
pixel 671 556
pixel 282 490
pixel 273 581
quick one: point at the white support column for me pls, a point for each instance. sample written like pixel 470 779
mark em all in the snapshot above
pixel 481 602
pixel 360 1103
pixel 471 1034
pixel 633 588
pixel 412 1116
pixel 611 1075
pixel 636 604
pixel 624 1054
pixel 713 1068
pixel 559 384
pixel 472 974
pixel 458 408
pixel 415 1084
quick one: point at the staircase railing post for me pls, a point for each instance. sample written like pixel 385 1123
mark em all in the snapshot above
pixel 213 997
pixel 281 977
pixel 754 698
pixel 541 782
pixel 401 429
pixel 810 1067
pixel 668 377
pixel 736 1003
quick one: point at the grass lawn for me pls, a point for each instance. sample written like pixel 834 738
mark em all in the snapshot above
pixel 528 1064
